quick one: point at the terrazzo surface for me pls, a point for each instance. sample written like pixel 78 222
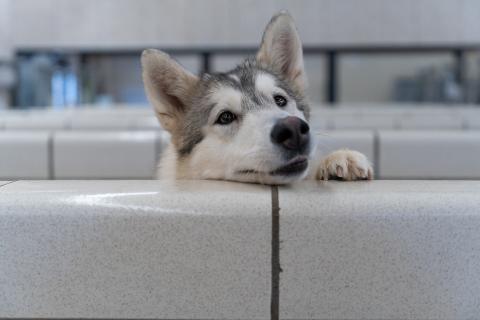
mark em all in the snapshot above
pixel 381 250
pixel 134 249
pixel 203 250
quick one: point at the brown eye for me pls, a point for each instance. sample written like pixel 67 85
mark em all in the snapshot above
pixel 280 100
pixel 226 117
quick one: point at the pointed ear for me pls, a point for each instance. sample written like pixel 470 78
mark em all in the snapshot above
pixel 168 86
pixel 281 50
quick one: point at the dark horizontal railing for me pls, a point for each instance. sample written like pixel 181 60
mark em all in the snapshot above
pixel 331 53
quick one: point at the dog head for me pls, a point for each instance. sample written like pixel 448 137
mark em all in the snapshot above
pixel 248 124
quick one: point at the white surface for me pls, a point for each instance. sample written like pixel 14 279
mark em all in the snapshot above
pixel 110 121
pixel 452 121
pixel 80 119
pixel 380 250
pixel 429 154
pixel 24 155
pixel 473 122
pixel 131 249
pixel 362 122
pixel 146 123
pixel 202 250
pixel 342 117
pixel 104 155
pixel 31 122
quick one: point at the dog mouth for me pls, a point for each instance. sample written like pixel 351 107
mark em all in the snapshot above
pixel 295 166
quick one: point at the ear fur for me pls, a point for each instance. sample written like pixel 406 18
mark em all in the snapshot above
pixel 281 50
pixel 168 87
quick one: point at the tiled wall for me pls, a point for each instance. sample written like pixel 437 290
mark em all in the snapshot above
pixel 428 143
pixel 80 155
pixel 209 250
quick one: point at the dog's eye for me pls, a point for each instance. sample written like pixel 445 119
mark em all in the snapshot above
pixel 226 117
pixel 280 100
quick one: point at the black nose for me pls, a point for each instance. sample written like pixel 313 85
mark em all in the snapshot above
pixel 291 133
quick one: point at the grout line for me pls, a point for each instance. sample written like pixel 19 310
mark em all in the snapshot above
pixel 159 147
pixel 276 269
pixel 6 184
pixel 376 154
pixel 50 155
pixel 156 140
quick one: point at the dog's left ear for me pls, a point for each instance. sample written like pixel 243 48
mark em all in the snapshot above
pixel 281 50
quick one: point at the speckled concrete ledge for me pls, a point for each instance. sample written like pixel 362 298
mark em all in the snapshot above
pixel 203 250
pixel 134 249
pixel 380 250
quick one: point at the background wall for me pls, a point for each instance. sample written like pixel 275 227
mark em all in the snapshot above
pixel 135 24
pixel 123 23
pixel 5 31
pixel 366 76
pixel 5 52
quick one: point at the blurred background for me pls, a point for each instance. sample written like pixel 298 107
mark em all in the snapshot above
pixel 70 70
pixel 68 53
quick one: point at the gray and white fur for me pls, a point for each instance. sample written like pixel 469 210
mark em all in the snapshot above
pixel 249 124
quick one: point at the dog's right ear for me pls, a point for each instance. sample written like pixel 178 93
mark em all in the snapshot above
pixel 168 86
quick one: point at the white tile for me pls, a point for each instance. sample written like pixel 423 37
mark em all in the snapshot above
pixel 135 249
pixel 432 109
pixel 146 123
pixel 429 154
pixel 362 122
pixel 318 121
pixel 105 154
pixel 472 122
pixel 362 141
pixel 24 155
pixel 432 120
pixel 37 122
pixel 102 122
pixel 380 250
pixel 117 109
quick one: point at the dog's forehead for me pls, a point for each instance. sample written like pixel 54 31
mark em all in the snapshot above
pixel 265 83
pixel 248 78
pixel 247 87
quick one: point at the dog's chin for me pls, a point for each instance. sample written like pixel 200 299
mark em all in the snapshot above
pixel 294 170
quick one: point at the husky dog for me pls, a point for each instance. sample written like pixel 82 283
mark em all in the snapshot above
pixel 249 124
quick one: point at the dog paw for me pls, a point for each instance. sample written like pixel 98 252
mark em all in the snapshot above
pixel 345 165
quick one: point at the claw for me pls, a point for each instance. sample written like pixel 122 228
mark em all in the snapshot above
pixel 339 171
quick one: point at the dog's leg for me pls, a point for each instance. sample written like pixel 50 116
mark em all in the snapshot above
pixel 345 165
